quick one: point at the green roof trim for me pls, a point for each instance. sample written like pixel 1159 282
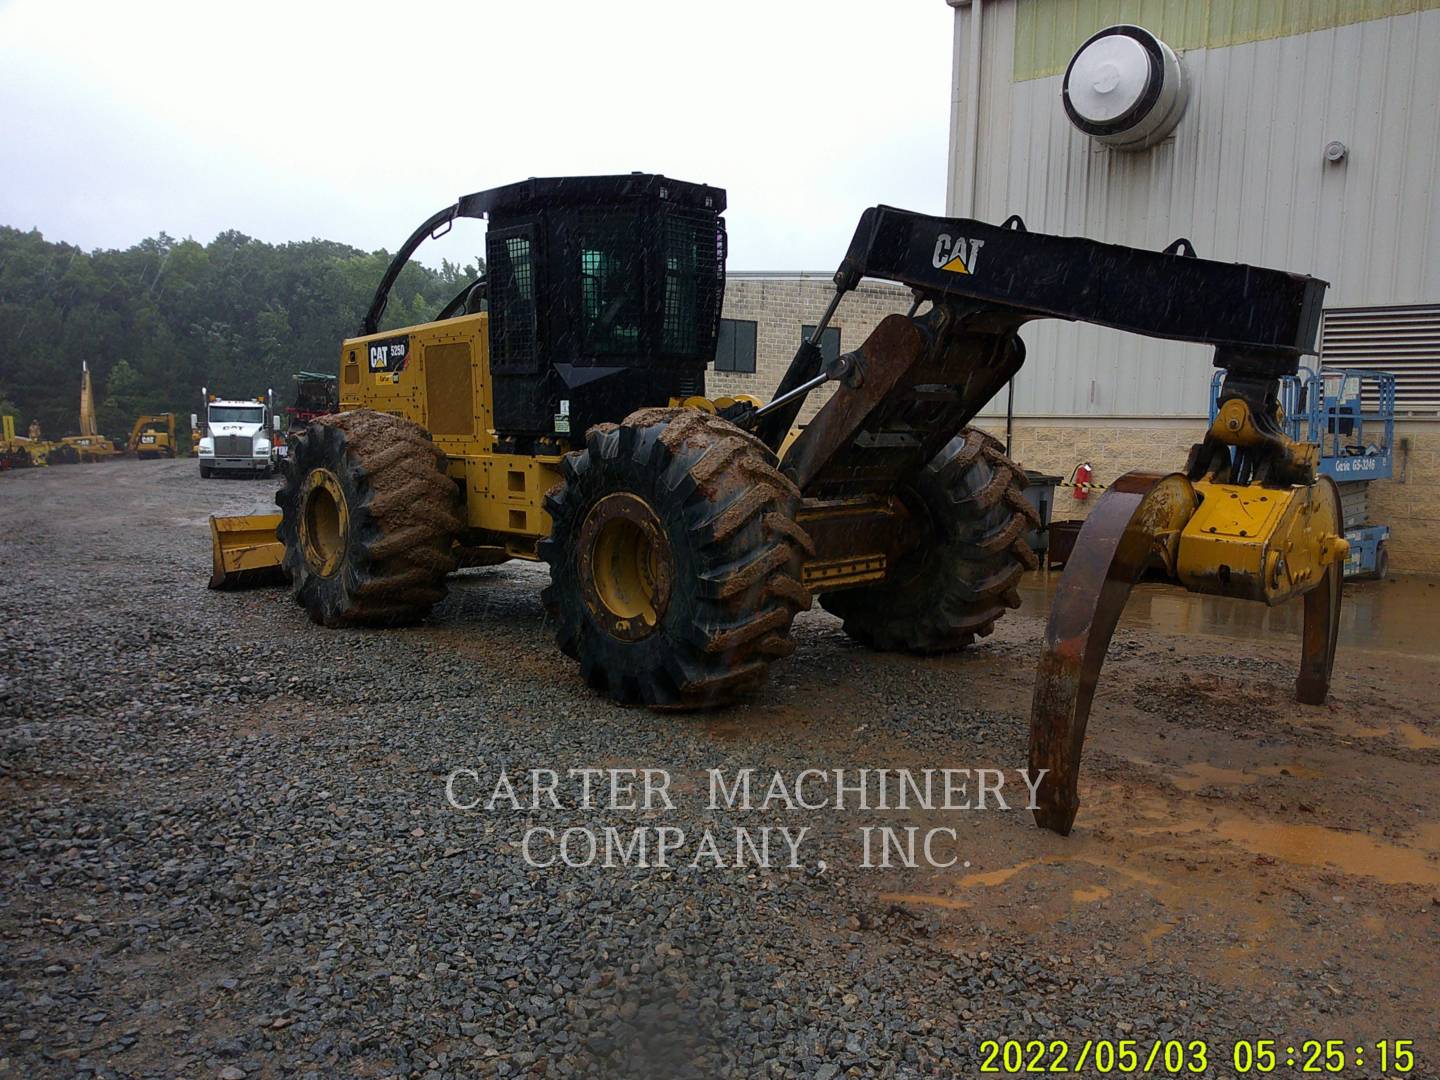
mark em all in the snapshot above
pixel 1047 32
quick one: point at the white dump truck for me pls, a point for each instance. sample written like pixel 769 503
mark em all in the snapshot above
pixel 240 437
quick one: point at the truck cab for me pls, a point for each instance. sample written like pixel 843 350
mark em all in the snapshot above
pixel 238 438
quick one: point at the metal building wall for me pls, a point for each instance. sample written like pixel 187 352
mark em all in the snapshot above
pixel 1244 175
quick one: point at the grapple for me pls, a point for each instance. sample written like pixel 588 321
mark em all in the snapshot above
pixel 1247 516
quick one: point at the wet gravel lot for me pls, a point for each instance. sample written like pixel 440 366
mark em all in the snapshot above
pixel 227 850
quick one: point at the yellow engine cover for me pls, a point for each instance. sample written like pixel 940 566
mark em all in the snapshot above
pixel 1261 543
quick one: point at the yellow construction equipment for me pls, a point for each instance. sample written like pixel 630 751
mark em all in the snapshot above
pixel 89 445
pixel 1250 517
pixel 86 448
pixel 153 436
pixel 555 410
pixel 18 451
pixel 246 552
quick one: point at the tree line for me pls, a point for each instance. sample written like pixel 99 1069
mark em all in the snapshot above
pixel 157 321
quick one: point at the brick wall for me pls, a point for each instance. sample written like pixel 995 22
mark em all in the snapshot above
pixel 780 307
pixel 1055 446
pixel 1410 502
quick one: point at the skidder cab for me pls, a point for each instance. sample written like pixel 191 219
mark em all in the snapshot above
pixel 602 292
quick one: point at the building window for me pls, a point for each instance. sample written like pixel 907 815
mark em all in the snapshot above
pixel 735 346
pixel 829 341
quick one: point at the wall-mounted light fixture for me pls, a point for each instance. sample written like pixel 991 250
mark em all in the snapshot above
pixel 1125 88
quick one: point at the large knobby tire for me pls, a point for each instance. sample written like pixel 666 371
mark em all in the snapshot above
pixel 674 559
pixel 368 519
pixel 950 589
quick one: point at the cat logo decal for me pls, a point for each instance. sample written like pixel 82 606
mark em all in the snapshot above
pixel 957 255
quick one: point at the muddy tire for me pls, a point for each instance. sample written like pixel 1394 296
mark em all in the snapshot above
pixel 368 519
pixel 952 587
pixel 674 559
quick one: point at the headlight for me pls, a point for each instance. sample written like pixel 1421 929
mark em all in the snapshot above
pixel 207 448
pixel 262 448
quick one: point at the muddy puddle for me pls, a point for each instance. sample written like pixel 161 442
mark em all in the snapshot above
pixel 1400 614
pixel 1223 827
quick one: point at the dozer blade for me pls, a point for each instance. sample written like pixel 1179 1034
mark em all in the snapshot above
pixel 1150 519
pixel 246 551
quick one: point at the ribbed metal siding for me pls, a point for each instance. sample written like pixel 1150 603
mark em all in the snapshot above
pixel 1244 177
pixel 1404 341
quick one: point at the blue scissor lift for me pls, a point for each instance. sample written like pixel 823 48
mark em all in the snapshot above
pixel 1350 413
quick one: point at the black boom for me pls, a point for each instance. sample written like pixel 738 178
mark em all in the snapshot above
pixel 986 281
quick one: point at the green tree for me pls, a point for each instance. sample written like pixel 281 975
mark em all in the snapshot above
pixel 124 400
pixel 158 320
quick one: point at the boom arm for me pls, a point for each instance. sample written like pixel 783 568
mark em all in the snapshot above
pixel 1260 321
pixel 87 403
pixel 1165 294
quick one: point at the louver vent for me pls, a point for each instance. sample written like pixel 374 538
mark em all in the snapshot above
pixel 1402 340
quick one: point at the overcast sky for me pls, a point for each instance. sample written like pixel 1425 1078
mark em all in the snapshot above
pixel 355 122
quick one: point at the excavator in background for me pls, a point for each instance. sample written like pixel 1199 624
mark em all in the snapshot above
pixel 555 411
pixel 89 445
pixel 153 436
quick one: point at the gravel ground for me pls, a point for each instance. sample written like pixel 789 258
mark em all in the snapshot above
pixel 227 850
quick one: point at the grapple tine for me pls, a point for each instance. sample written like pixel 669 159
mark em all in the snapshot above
pixel 1138 518
pixel 1322 626
pixel 1322 610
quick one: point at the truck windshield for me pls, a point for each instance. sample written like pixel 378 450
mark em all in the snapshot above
pixel 236 414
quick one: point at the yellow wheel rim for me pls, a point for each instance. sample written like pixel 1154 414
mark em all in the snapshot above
pixel 324 522
pixel 625 566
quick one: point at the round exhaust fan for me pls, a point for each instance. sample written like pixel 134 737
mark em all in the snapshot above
pixel 1125 87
